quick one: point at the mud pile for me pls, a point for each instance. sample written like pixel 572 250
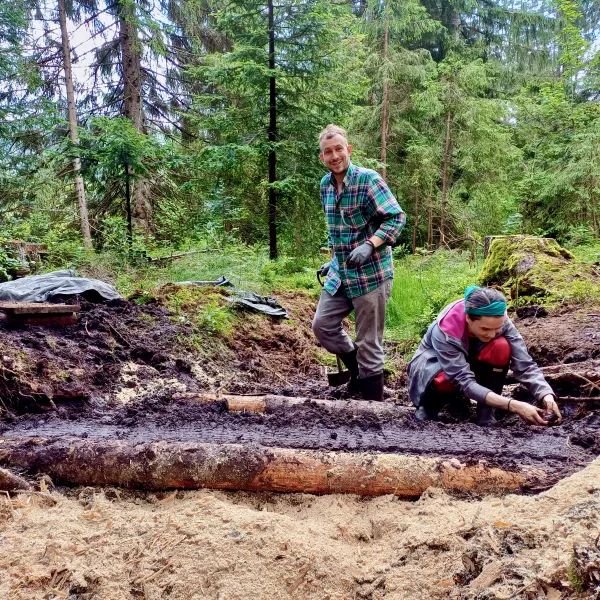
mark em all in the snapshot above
pixel 120 346
pixel 115 374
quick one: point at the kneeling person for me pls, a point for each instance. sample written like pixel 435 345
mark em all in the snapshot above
pixel 466 352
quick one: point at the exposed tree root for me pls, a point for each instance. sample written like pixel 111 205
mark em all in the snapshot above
pixel 9 482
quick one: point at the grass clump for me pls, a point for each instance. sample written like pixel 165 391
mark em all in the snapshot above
pixel 423 285
pixel 205 308
pixel 246 267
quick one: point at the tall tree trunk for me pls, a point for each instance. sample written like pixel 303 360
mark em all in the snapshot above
pixel 272 134
pixel 385 119
pixel 128 206
pixel 592 193
pixel 416 224
pixel 133 108
pixel 430 222
pixel 445 178
pixel 79 187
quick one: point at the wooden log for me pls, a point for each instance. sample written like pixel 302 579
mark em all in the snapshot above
pixel 589 366
pixel 269 403
pixel 43 321
pixel 35 308
pixel 9 482
pixel 163 259
pixel 582 374
pixel 167 465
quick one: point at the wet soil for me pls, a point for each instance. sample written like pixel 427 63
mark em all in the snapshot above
pixel 44 366
pixel 566 336
pixel 73 375
pixel 559 450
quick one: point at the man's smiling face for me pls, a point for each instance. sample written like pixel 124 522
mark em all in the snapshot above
pixel 335 154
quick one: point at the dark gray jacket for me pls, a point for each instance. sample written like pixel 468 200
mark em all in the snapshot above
pixel 445 348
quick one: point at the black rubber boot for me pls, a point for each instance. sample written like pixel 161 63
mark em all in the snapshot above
pixel 431 404
pixel 351 363
pixel 490 377
pixel 485 415
pixel 459 407
pixel 372 387
pixel 493 378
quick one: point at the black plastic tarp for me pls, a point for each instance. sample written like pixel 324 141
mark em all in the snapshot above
pixel 56 285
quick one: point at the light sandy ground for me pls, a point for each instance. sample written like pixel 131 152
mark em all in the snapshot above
pixel 109 545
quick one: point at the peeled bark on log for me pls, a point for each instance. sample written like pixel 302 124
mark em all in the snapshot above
pixel 166 465
pixel 9 482
pixel 269 403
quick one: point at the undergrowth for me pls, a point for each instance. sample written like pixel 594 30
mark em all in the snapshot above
pixel 423 285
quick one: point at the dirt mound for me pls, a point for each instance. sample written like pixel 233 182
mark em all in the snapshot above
pixel 120 349
pixel 568 335
pixel 41 366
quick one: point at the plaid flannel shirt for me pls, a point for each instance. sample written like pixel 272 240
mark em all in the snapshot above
pixel 366 207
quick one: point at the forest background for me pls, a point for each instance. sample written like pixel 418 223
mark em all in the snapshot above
pixel 138 128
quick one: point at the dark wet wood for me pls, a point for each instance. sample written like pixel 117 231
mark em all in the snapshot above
pixel 34 308
pixel 579 399
pixel 9 482
pixel 168 465
pixel 269 403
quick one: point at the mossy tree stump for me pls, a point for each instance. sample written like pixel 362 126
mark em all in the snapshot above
pixel 534 270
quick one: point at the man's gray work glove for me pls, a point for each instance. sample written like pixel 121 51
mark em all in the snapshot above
pixel 360 255
pixel 324 269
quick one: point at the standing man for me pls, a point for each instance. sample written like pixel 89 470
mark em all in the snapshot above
pixel 363 221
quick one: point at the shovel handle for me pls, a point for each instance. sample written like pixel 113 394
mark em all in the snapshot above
pixel 339 363
pixel 319 278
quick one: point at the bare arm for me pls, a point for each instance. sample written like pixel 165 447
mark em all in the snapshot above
pixel 529 413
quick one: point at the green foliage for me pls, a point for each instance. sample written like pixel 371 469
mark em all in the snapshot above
pixel 516 84
pixel 423 286
pixel 8 263
pixel 314 46
pixel 109 144
pixel 215 319
pixel 574 576
pixel 204 308
pixel 589 253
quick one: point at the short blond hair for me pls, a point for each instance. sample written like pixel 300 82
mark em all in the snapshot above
pixel 330 131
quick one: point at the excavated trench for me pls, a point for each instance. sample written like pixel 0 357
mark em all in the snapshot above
pixel 36 442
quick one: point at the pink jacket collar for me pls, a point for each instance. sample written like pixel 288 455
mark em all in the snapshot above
pixel 453 322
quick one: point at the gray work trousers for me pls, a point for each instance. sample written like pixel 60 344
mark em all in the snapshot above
pixel 370 319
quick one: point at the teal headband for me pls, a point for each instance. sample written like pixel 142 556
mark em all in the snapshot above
pixel 494 309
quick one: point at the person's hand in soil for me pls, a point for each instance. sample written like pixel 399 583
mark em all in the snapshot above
pixel 529 413
pixel 550 406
